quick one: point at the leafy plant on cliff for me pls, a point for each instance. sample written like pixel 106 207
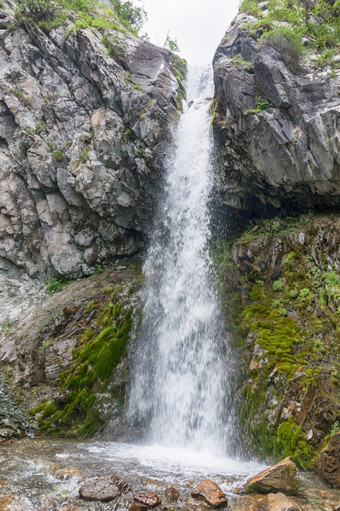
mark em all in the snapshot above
pixel 171 44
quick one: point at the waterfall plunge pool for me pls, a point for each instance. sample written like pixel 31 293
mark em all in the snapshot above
pixel 33 472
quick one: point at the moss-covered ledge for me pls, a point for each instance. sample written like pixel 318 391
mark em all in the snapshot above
pixel 71 367
pixel 95 357
pixel 280 282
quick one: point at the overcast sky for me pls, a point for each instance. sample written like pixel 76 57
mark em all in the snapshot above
pixel 198 25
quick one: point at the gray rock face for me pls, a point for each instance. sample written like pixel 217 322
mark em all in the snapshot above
pixel 83 131
pixel 285 157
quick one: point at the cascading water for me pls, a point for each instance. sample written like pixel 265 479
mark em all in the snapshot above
pixel 180 369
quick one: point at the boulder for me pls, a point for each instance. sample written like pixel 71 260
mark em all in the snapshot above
pixel 149 499
pixel 211 493
pixel 104 488
pixel 282 477
pixel 328 461
pixel 279 502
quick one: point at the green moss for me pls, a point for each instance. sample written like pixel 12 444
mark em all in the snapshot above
pixel 288 328
pixel 95 358
pixel 291 441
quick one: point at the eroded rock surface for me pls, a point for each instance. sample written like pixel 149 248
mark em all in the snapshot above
pixel 286 157
pixel 84 121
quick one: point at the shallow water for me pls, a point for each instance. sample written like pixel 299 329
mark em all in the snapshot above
pixel 32 466
pixel 30 472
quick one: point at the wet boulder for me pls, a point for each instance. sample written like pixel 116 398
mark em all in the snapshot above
pixel 104 488
pixel 282 477
pixel 211 493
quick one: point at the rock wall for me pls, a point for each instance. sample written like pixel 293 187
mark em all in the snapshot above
pixel 281 287
pixel 64 367
pixel 284 158
pixel 85 117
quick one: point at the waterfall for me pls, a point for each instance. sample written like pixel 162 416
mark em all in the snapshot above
pixel 180 368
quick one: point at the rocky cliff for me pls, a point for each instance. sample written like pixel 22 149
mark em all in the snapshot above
pixel 63 365
pixel 276 115
pixel 85 116
pixel 281 292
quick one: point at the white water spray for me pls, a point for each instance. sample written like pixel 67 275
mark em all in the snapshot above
pixel 179 381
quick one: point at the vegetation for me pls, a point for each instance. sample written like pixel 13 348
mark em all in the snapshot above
pixel 287 324
pixel 261 104
pixel 238 60
pixel 57 156
pixel 95 357
pixel 171 44
pixel 54 285
pixel 297 27
pixel 49 14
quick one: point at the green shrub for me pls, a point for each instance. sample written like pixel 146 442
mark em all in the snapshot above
pixel 53 285
pixel 287 42
pixel 57 156
pixel 171 44
pixel 132 17
pixel 40 10
pixel 250 7
pixel 261 104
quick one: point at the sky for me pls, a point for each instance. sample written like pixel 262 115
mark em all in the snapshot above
pixel 197 25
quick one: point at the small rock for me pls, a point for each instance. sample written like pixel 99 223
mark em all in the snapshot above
pixel 328 461
pixel 104 488
pixel 211 493
pixel 121 268
pixel 279 502
pixel 282 477
pixel 149 499
pixel 172 493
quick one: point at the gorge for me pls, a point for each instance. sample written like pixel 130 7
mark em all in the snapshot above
pixel 216 338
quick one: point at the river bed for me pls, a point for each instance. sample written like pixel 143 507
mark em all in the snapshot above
pixel 46 475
